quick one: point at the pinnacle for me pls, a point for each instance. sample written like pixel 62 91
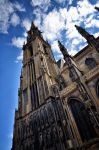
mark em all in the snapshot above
pixel 77 27
pixel 97 8
pixel 33 25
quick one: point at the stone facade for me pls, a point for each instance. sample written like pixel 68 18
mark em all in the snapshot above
pixel 58 105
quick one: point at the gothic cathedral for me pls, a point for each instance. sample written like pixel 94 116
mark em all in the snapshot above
pixel 58 102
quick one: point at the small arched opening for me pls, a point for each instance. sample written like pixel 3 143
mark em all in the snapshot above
pixel 97 88
pixel 91 63
pixel 82 119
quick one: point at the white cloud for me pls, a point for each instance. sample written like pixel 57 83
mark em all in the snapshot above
pixel 85 8
pixel 39 16
pixel 15 20
pixel 92 23
pixel 39 2
pixel 83 13
pixel 75 41
pixel 60 1
pixel 18 42
pixel 25 34
pixel 72 14
pixel 6 10
pixel 72 52
pixel 26 23
pixel 82 46
pixel 20 57
pixel 54 23
pixel 58 56
pixel 96 35
pixel 68 2
pixel 43 4
pixel 55 47
pixel 19 7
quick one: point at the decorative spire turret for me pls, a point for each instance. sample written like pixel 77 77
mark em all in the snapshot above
pixel 33 25
pixel 63 49
pixel 83 32
pixel 90 38
pixel 73 70
pixel 34 28
pixel 68 59
pixel 33 32
pixel 97 8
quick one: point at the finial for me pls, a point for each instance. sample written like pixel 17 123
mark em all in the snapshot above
pixel 33 25
pixel 97 8
pixel 76 26
pixel 24 43
pixel 63 49
pixel 83 32
pixel 34 28
pixel 80 29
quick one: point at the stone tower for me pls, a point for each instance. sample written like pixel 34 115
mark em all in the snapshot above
pixel 56 109
pixel 38 121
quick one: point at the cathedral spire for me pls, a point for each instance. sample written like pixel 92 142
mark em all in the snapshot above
pixel 83 32
pixel 33 25
pixel 34 28
pixel 68 59
pixel 73 69
pixel 33 32
pixel 63 49
pixel 90 38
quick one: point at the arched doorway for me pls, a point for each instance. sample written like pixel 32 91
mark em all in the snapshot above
pixel 82 119
pixel 91 63
pixel 97 88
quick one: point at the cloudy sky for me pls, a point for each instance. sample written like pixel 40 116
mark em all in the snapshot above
pixel 56 20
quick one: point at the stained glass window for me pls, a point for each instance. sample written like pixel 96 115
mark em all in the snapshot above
pixel 90 62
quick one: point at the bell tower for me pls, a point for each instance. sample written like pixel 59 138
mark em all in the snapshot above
pixel 40 119
pixel 38 72
pixel 56 108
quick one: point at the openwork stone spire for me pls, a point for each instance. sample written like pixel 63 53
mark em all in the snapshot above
pixel 33 32
pixel 69 61
pixel 83 32
pixel 63 49
pixel 97 8
pixel 90 38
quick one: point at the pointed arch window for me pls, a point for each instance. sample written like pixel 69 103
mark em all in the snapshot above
pixel 31 50
pixel 90 62
pixel 82 119
pixel 45 49
pixel 97 88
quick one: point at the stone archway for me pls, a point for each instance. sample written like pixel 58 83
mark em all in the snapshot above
pixel 82 119
pixel 97 88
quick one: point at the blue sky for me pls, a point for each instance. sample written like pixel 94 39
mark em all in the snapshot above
pixel 56 19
